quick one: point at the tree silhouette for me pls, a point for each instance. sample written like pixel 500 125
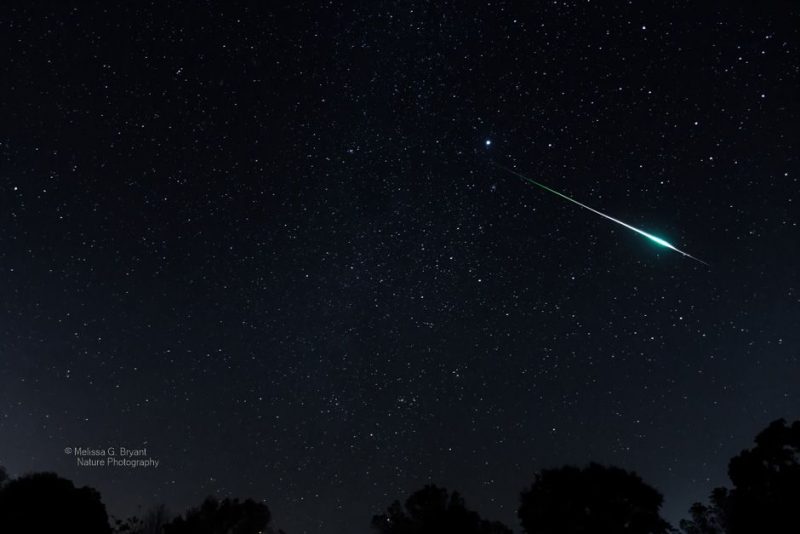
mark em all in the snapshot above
pixel 595 499
pixel 432 511
pixel 152 522
pixel 766 488
pixel 45 502
pixel 129 525
pixel 708 519
pixel 766 483
pixel 229 516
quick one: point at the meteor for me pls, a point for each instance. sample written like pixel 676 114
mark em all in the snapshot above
pixel 651 237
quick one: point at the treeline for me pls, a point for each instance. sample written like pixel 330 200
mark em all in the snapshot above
pixel 764 497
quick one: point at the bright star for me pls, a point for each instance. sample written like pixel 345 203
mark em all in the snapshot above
pixel 488 142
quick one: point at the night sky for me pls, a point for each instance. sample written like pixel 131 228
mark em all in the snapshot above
pixel 272 246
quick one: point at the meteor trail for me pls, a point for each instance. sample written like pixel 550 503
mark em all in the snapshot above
pixel 651 237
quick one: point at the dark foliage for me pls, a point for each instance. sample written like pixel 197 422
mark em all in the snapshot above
pixel 152 522
pixel 432 510
pixel 595 499
pixel 707 519
pixel 766 483
pixel 45 502
pixel 765 496
pixel 229 516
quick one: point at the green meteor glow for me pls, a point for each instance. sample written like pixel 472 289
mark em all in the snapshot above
pixel 660 241
pixel 651 237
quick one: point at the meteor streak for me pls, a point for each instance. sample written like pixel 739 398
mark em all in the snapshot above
pixel 651 237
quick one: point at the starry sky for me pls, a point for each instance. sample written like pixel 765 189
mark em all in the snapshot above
pixel 271 244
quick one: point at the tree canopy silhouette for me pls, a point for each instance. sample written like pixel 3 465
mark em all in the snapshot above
pixel 765 496
pixel 151 522
pixel 596 499
pixel 229 516
pixel 707 519
pixel 45 502
pixel 432 510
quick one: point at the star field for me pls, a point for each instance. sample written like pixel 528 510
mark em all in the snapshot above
pixel 270 244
